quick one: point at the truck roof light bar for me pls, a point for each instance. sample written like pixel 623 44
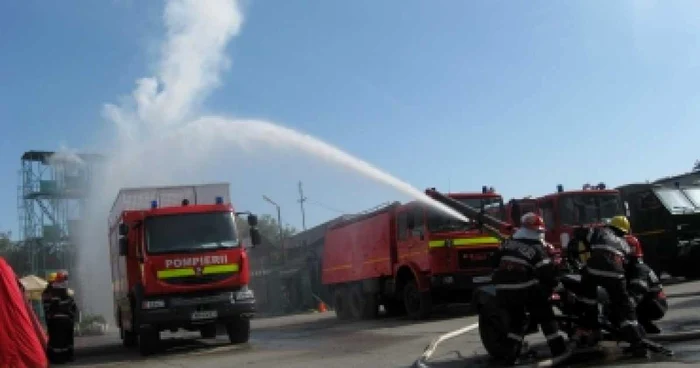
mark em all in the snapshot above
pixel 219 200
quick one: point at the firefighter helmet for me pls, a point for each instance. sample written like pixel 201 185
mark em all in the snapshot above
pixel 620 223
pixel 52 277
pixel 61 276
pixel 533 221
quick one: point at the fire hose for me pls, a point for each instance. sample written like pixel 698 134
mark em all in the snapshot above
pixel 422 361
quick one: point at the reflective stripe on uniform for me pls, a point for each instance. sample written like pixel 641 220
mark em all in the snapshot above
pixel 516 286
pixel 516 260
pixel 553 336
pixel 587 300
pixel 603 273
pixel 543 262
pixel 640 282
pixel 629 323
pixel 607 248
pixel 515 337
pixel 207 270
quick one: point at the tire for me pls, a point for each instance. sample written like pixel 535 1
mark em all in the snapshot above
pixel 129 338
pixel 355 299
pixel 208 331
pixel 370 306
pixel 340 304
pixel 149 341
pixel 238 331
pixel 418 304
pixel 394 308
pixel 493 330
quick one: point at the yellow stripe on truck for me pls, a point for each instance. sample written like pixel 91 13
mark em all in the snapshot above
pixel 207 270
pixel 485 240
pixel 178 272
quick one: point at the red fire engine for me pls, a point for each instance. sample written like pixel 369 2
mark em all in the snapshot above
pixel 178 262
pixel 407 257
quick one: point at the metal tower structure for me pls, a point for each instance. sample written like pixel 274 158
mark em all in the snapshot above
pixel 52 193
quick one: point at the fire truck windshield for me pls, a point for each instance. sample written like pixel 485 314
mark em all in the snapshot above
pixel 589 208
pixel 438 221
pixel 674 200
pixel 192 232
pixel 694 195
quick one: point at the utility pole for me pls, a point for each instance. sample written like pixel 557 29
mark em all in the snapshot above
pixel 301 201
pixel 279 224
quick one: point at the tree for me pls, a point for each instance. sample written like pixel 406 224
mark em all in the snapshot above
pixel 696 167
pixel 268 227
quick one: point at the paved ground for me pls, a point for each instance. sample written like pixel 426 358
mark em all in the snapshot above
pixel 319 340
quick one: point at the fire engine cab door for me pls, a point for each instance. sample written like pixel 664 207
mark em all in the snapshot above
pixel 410 237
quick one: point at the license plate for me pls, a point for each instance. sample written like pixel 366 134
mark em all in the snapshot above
pixel 481 279
pixel 199 315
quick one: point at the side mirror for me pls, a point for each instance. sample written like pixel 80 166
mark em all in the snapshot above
pixel 123 247
pixel 123 229
pixel 252 220
pixel 255 237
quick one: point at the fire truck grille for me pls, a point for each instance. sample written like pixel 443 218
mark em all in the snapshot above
pixel 471 259
pixel 196 280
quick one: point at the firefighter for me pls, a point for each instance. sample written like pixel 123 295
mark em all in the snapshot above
pixel 646 290
pixel 609 255
pixel 60 311
pixel 524 279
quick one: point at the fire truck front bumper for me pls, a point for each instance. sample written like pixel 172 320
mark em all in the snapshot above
pixel 183 311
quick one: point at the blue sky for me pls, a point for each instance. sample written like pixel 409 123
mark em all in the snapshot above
pixel 521 95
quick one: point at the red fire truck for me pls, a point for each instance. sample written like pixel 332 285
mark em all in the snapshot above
pixel 178 261
pixel 564 211
pixel 407 257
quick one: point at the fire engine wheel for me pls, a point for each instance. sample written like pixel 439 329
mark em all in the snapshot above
pixel 340 304
pixel 208 331
pixel 394 307
pixel 149 340
pixel 370 306
pixel 418 304
pixel 129 338
pixel 238 331
pixel 493 330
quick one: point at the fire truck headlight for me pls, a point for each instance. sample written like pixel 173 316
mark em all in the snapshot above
pixel 153 304
pixel 243 294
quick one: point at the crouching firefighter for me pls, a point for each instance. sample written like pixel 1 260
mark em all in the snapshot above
pixel 606 267
pixel 60 311
pixel 646 289
pixel 525 277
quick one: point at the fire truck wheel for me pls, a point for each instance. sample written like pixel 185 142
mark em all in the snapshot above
pixel 370 306
pixel 340 304
pixel 238 331
pixel 149 339
pixel 129 338
pixel 355 302
pixel 208 331
pixel 418 304
pixel 394 307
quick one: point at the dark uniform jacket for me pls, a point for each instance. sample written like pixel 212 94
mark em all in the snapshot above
pixel 609 253
pixel 643 282
pixel 523 263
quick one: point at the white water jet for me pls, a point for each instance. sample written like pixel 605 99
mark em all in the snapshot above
pixel 155 141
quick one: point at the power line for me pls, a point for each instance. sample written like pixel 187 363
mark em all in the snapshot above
pixel 301 201
pixel 325 206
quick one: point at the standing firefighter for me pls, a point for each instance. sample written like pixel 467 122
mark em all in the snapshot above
pixel 525 277
pixel 60 311
pixel 606 267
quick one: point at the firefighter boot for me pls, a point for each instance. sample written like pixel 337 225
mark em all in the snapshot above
pixel 650 327
pixel 558 347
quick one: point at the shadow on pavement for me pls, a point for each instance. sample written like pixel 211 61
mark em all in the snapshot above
pixel 114 352
pixel 440 314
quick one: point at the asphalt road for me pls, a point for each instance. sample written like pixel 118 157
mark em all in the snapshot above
pixel 319 340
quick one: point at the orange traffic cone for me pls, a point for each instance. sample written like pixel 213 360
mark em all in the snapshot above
pixel 322 307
